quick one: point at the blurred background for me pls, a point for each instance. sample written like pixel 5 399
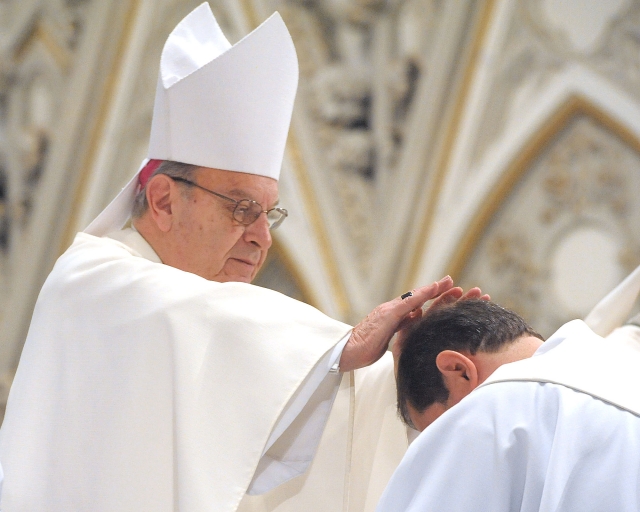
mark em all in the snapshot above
pixel 494 140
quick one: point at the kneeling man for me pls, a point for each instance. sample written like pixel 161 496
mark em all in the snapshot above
pixel 553 426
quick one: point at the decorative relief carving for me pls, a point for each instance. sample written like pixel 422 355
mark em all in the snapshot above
pixel 350 76
pixel 535 49
pixel 529 58
pixel 341 102
pixel 619 57
pixel 511 256
pixel 360 64
pixel 35 60
pixel 38 41
pixel 585 177
pixel 584 173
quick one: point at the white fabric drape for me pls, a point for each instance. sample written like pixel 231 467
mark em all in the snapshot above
pixel 559 431
pixel 142 387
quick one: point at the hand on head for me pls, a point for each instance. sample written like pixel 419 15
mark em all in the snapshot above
pixel 370 338
pixel 457 293
pixel 447 297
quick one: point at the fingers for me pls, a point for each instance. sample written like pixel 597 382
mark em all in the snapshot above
pixel 409 305
pixel 447 297
pixel 419 296
pixel 476 293
pixel 410 318
pixel 455 294
pixel 472 293
pixel 369 339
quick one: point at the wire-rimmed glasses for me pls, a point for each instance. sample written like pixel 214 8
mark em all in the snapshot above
pixel 246 211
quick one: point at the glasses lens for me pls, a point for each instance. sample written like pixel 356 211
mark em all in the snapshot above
pixel 276 217
pixel 247 211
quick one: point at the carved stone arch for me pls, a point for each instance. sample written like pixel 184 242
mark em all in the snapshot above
pixel 569 198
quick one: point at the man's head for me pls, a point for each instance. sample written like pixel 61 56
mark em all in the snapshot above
pixel 452 350
pixel 218 106
pixel 196 230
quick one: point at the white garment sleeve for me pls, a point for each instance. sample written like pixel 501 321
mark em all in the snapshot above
pixel 295 438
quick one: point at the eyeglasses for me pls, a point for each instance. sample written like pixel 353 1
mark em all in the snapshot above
pixel 246 211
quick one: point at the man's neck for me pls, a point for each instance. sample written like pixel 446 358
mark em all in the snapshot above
pixel 487 362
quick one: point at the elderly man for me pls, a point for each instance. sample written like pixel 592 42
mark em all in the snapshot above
pixel 553 426
pixel 154 377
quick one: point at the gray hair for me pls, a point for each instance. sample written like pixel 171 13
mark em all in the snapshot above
pixel 171 169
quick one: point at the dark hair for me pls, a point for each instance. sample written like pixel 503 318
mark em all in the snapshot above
pixel 471 325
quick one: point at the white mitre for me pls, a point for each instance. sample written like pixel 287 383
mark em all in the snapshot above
pixel 217 105
pixel 614 309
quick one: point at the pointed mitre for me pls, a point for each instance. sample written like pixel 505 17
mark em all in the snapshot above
pixel 217 105
pixel 614 309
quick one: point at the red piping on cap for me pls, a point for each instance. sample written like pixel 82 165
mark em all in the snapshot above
pixel 147 171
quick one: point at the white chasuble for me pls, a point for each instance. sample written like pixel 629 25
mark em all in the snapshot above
pixel 576 357
pixel 145 388
pixel 362 445
pixel 559 431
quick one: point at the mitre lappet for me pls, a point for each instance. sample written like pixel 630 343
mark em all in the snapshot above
pixel 217 105
pixel 615 308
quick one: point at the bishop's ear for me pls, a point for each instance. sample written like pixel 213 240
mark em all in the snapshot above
pixel 459 373
pixel 160 191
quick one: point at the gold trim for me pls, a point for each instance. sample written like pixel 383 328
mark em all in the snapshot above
pixel 98 129
pixel 250 13
pixel 313 210
pixel 446 153
pixel 574 107
pixel 309 198
pixel 40 33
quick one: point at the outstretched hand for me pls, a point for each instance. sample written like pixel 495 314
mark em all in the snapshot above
pixel 370 338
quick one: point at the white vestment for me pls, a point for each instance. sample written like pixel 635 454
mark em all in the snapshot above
pixel 534 437
pixel 143 387
pixel 362 445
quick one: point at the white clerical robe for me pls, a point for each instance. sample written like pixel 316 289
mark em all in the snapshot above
pixel 124 400
pixel 142 387
pixel 362 445
pixel 557 432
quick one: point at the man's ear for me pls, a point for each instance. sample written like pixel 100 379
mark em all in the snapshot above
pixel 459 373
pixel 160 194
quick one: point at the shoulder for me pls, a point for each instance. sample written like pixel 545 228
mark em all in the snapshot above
pixel 108 270
pixel 492 415
pixel 517 412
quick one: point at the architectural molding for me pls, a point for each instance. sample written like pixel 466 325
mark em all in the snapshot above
pixel 445 154
pixel 599 198
pixel 575 106
pixel 34 242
